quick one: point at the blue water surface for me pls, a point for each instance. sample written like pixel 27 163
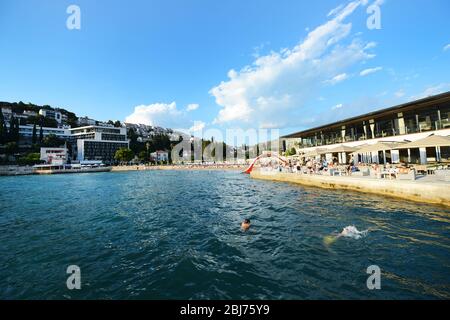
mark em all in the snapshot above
pixel 176 235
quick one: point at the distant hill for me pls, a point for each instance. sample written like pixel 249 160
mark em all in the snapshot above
pixel 20 107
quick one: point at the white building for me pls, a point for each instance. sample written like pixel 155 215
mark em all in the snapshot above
pixel 27 132
pixel 55 156
pixel 30 113
pixel 159 156
pixel 85 121
pixel 52 114
pixel 7 112
pixel 98 142
pixel 399 124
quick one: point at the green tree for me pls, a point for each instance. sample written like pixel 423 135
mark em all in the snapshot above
pixel 246 152
pixel 142 156
pixel 30 159
pixel 11 147
pixel 41 134
pixel 161 142
pixel 41 120
pixel 10 134
pixel 34 138
pixel 224 151
pixel 293 151
pixel 3 132
pixel 17 131
pixel 290 152
pixel 135 145
pixel 52 141
pixel 72 119
pixel 13 133
pixel 124 155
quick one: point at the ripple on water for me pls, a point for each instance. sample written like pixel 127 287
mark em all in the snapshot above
pixel 176 235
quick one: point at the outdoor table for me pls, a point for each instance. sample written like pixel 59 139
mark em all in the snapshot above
pixel 387 173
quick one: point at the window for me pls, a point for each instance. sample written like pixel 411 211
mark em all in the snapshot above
pixel 410 123
pixel 384 127
pixel 428 119
pixel 445 154
pixel 445 116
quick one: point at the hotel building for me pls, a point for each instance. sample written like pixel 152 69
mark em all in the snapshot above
pixel 52 114
pixel 26 132
pixel 98 142
pixel 402 123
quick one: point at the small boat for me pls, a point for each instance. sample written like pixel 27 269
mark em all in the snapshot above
pixel 67 168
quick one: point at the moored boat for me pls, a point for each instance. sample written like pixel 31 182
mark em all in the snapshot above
pixel 68 168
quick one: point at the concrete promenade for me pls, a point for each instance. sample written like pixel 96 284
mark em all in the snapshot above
pixel 421 190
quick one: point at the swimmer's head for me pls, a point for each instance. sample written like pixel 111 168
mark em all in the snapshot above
pixel 245 224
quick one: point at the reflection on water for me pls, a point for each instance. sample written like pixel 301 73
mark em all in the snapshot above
pixel 176 235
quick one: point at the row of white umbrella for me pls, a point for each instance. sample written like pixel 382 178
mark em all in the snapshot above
pixel 430 141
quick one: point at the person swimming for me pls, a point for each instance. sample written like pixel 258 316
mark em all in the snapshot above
pixel 245 225
pixel 352 232
pixel 347 232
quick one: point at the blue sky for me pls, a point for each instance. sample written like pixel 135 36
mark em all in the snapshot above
pixel 249 64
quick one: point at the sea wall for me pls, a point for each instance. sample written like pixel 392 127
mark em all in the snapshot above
pixel 14 170
pixel 425 192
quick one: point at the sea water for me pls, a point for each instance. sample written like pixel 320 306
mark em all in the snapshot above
pixel 176 235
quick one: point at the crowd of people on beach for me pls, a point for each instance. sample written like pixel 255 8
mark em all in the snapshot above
pixel 322 166
pixel 308 166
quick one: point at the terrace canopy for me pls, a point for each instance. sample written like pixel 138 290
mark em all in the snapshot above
pixel 379 152
pixel 379 146
pixel 433 148
pixel 314 153
pixel 342 148
pixel 430 141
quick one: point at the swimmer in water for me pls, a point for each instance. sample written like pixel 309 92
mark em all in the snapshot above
pixel 347 232
pixel 245 225
pixel 352 232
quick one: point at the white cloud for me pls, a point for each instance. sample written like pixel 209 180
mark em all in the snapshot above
pixel 335 10
pixel 198 126
pixel 400 93
pixel 336 79
pixel 447 47
pixel 338 106
pixel 156 114
pixel 370 45
pixel 432 90
pixel 369 71
pixel 276 86
pixel 192 107
pixel 166 115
